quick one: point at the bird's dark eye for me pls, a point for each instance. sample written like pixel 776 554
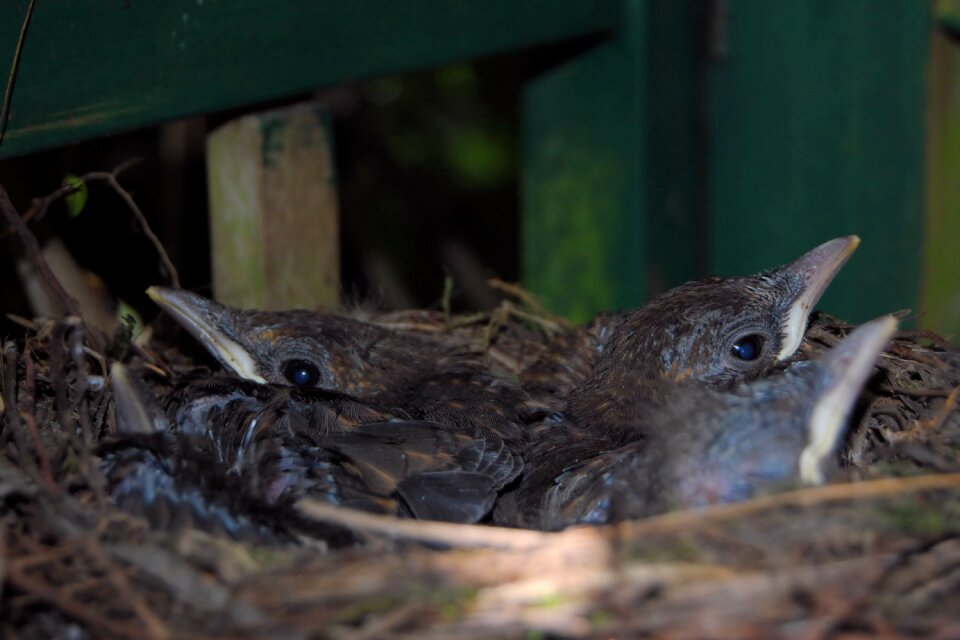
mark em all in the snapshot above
pixel 301 373
pixel 748 347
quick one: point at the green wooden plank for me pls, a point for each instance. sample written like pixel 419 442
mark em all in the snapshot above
pixel 676 235
pixel 584 190
pixel 816 130
pixel 92 67
pixel 941 246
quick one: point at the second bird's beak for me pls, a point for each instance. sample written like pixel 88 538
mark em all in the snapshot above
pixel 848 365
pixel 817 268
pixel 208 322
pixel 136 409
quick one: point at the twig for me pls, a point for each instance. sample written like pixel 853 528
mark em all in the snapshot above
pixel 526 298
pixel 12 77
pixel 61 386
pixel 919 393
pixel 46 555
pixel 472 536
pixel 77 356
pixel 33 250
pixel 40 206
pixel 455 535
pixel 28 415
pixel 948 406
pixel 81 404
pixel 926 334
pixel 811 497
pixel 88 615
pixel 152 625
pixel 550 324
pixel 905 353
pixel 111 179
pixel 10 356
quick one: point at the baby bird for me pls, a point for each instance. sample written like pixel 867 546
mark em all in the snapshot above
pixel 714 331
pixel 432 378
pixel 233 456
pixel 704 446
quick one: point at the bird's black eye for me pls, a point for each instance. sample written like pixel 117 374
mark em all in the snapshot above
pixel 301 373
pixel 748 347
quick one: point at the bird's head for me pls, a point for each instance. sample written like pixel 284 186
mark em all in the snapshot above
pixel 723 447
pixel 302 348
pixel 723 331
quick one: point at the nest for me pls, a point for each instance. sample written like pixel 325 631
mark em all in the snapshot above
pixel 875 554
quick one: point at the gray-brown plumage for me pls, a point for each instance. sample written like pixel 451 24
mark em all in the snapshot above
pixel 433 378
pixel 231 455
pixel 715 331
pixel 701 446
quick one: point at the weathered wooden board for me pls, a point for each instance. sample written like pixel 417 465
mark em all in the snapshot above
pixel 940 294
pixel 273 211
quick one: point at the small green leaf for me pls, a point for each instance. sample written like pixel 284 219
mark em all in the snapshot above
pixel 128 315
pixel 77 200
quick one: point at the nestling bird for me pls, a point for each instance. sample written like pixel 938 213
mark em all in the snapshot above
pixel 704 446
pixel 431 378
pixel 714 331
pixel 233 456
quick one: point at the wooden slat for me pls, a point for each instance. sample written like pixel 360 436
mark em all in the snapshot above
pixel 676 237
pixel 816 130
pixel 941 246
pixel 613 181
pixel 273 211
pixel 92 67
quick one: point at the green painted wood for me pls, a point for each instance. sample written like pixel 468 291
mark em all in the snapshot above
pixel 93 67
pixel 676 233
pixel 816 130
pixel 584 182
pixel 940 308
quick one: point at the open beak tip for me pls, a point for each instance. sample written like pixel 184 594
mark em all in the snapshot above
pixel 863 346
pixel 817 268
pixel 874 335
pixel 164 297
pixel 834 253
pixel 181 304
pixel 820 265
pixel 849 244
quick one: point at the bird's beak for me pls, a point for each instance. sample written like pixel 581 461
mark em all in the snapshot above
pixel 137 411
pixel 817 268
pixel 207 321
pixel 848 365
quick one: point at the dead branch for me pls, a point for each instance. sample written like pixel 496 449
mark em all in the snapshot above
pixel 40 206
pixel 454 535
pixel 71 606
pixel 32 248
pixel 14 67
